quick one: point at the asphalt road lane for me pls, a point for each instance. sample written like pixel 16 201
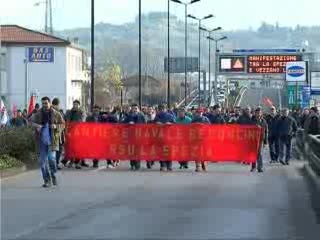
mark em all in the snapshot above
pixel 228 202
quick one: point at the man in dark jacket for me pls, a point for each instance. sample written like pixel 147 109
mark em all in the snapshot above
pixel 94 117
pixel 215 117
pixel 134 117
pixel 258 120
pixel 76 115
pixel 273 137
pixel 287 128
pixel 199 118
pixel 245 117
pixel 164 117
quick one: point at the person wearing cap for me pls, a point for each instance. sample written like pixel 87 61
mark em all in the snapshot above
pixel 163 117
pixel 183 119
pixel 273 136
pixel 199 118
pixel 258 120
pixel 287 128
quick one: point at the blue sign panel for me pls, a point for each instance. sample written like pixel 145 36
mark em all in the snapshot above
pixel 296 71
pixel 306 94
pixel 266 50
pixel 41 54
pixel 315 91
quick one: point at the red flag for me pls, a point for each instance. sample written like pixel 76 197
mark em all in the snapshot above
pixel 14 110
pixel 31 104
pixel 267 102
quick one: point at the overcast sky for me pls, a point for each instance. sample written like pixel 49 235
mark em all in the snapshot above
pixel 230 14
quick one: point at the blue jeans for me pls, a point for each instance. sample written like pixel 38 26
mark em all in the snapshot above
pixel 259 161
pixel 47 160
pixel 285 148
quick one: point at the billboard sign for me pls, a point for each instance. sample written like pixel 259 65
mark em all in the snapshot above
pixel 41 54
pixel 177 64
pixel 232 64
pixel 296 71
pixel 270 64
pixel 315 80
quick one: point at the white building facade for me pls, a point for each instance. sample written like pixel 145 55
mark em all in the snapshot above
pixel 33 63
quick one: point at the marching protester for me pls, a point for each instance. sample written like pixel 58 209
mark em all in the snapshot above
pixel 134 117
pixel 108 116
pixel 199 118
pixel 56 106
pixel 312 122
pixel 94 117
pixel 216 116
pixel 150 116
pixel 164 117
pixel 273 136
pixel 183 119
pixel 258 120
pixel 19 120
pixel 287 128
pixel 48 124
pixel 76 115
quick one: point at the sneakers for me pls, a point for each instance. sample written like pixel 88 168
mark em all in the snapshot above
pixel 46 185
pixel 110 166
pixel 260 170
pixel 84 164
pixel 282 162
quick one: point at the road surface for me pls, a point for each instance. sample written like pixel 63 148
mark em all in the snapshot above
pixel 228 202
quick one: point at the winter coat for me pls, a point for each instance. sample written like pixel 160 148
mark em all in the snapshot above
pixel 272 122
pixel 287 126
pixel 55 119
pixel 164 117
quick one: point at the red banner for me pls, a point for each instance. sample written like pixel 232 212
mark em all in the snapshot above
pixel 153 142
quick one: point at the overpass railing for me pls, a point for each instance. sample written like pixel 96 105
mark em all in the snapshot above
pixel 308 147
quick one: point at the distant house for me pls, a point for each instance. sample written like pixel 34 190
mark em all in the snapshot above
pixel 33 62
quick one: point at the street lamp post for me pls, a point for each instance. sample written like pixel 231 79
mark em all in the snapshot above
pixel 216 63
pixel 185 43
pixel 140 80
pixel 199 67
pixel 210 31
pixel 92 57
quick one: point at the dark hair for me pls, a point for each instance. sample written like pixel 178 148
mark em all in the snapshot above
pixel 96 106
pixel 216 106
pixel 134 105
pixel 46 99
pixel 76 101
pixel 56 101
pixel 37 106
pixel 19 110
pixel 162 107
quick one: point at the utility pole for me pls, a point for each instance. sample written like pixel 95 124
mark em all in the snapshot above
pixel 48 25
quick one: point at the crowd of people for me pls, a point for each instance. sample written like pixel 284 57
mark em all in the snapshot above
pixel 280 127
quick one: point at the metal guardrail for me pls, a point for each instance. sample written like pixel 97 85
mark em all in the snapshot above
pixel 308 147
